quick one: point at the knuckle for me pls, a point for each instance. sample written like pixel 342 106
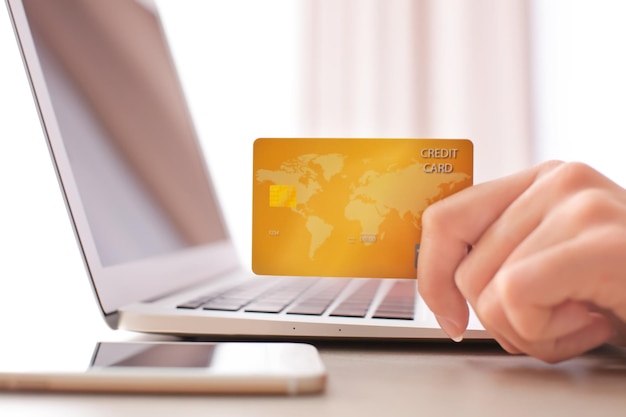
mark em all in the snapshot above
pixel 549 166
pixel 614 238
pixel 510 287
pixel 528 331
pixel 589 206
pixel 569 176
pixel 528 322
pixel 435 217
pixel 487 315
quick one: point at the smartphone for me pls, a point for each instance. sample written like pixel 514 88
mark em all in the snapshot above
pixel 185 368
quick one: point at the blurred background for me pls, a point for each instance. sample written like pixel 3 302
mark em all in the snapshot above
pixel 525 80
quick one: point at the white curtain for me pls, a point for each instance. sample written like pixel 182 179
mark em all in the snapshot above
pixel 421 68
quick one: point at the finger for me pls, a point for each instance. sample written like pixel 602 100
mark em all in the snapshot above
pixel 561 320
pixel 440 294
pixel 585 269
pixel 567 219
pixel 598 331
pixel 619 329
pixel 494 320
pixel 448 227
pixel 569 317
pixel 551 188
pixel 584 210
pixel 586 333
pixel 618 326
pixel 590 199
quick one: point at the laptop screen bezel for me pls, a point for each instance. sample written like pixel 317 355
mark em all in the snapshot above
pixel 118 285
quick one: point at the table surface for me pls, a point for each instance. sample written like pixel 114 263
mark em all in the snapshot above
pixel 375 378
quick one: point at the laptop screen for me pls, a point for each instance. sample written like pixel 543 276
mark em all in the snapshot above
pixel 121 113
pixel 123 143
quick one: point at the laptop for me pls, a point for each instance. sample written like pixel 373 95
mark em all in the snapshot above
pixel 145 212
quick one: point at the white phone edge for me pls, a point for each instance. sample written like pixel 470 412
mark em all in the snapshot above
pixel 174 381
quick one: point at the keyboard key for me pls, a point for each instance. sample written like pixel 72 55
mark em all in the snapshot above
pixel 277 299
pixel 265 307
pixel 399 302
pixel 244 291
pixel 319 298
pixel 223 304
pixel 309 308
pixel 357 304
pixel 195 303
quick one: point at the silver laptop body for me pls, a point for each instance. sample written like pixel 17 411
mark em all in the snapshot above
pixel 145 213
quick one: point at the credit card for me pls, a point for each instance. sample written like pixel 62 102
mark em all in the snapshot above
pixel 337 207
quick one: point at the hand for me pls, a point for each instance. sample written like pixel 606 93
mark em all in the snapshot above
pixel 540 256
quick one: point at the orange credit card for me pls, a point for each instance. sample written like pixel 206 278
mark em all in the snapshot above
pixel 349 207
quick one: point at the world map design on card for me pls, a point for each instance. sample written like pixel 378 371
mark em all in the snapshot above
pixel 349 207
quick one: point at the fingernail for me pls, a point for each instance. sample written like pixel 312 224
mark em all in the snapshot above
pixel 451 328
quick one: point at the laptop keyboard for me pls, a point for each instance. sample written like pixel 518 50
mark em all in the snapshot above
pixel 316 302
pixel 313 298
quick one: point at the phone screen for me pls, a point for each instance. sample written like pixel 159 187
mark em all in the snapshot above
pixel 161 355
